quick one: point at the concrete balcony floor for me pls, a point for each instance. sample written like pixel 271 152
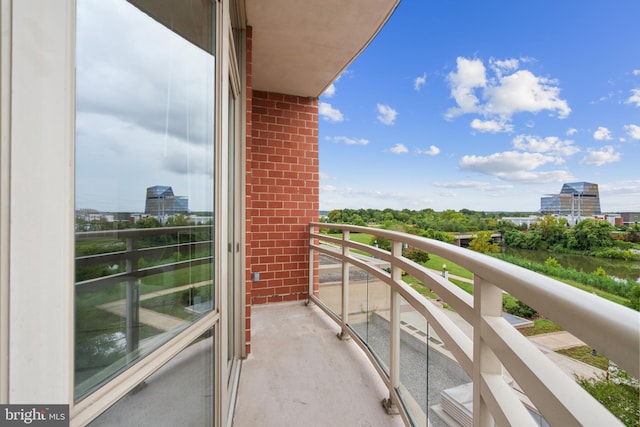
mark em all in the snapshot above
pixel 300 373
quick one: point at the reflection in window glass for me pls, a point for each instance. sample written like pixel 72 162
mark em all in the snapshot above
pixel 187 378
pixel 144 179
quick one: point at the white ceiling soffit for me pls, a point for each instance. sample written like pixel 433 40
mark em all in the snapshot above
pixel 301 46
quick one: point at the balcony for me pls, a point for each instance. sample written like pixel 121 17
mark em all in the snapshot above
pixel 468 366
pixel 367 337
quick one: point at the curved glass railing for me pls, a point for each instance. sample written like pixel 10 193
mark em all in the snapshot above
pixel 457 358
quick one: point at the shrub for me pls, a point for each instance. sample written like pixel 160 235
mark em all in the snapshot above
pixel 523 310
pixel 600 272
pixel 416 255
pixel 552 262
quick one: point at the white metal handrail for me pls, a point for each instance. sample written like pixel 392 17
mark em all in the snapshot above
pixel 611 328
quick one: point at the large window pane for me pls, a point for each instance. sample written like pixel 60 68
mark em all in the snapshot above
pixel 187 378
pixel 144 179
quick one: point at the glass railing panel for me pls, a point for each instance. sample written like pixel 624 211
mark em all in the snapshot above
pixel 369 312
pixel 449 388
pixel 330 283
pixel 414 359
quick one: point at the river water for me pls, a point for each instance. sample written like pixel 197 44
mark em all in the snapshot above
pixel 613 267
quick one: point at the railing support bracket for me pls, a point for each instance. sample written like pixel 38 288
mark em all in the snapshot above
pixel 343 336
pixel 390 407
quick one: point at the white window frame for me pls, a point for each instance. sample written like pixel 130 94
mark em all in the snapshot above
pixel 37 244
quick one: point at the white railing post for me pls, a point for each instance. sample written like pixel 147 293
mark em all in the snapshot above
pixel 132 298
pixel 312 269
pixel 345 285
pixel 487 302
pixel 394 329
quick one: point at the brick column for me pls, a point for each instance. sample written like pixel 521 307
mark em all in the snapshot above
pixel 284 194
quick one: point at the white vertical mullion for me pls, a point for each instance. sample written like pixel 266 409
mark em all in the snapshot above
pixel 5 194
pixel 42 109
pixel 221 210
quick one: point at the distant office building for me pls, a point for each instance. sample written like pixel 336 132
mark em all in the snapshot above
pixel 630 218
pixel 162 202
pixel 576 200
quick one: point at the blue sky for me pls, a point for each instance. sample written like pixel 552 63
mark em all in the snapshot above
pixel 487 106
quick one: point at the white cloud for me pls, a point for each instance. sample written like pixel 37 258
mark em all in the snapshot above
pixel 354 194
pixel 602 134
pixel 122 96
pixel 330 91
pixel 634 98
pixel 348 141
pixel 633 131
pixel 504 95
pixel 516 166
pixel 476 185
pixel 600 157
pixel 572 131
pixel 329 113
pixel 386 114
pixel 491 126
pixel 550 144
pixel 470 74
pixel 522 91
pixel 503 66
pixel 446 194
pixel 420 81
pixel 432 151
pixel 507 161
pixel 636 72
pixel 399 149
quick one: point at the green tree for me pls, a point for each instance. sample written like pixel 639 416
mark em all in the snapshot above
pixel 335 216
pixel 150 222
pixel 179 220
pixel 357 220
pixel 590 234
pixel 551 230
pixel 483 243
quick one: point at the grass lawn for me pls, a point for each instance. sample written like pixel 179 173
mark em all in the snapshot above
pixel 435 262
pixel 583 354
pixel 420 287
pixel 540 326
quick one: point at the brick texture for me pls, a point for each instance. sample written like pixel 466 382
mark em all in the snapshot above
pixel 282 194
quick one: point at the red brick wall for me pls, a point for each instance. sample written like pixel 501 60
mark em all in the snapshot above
pixel 282 194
